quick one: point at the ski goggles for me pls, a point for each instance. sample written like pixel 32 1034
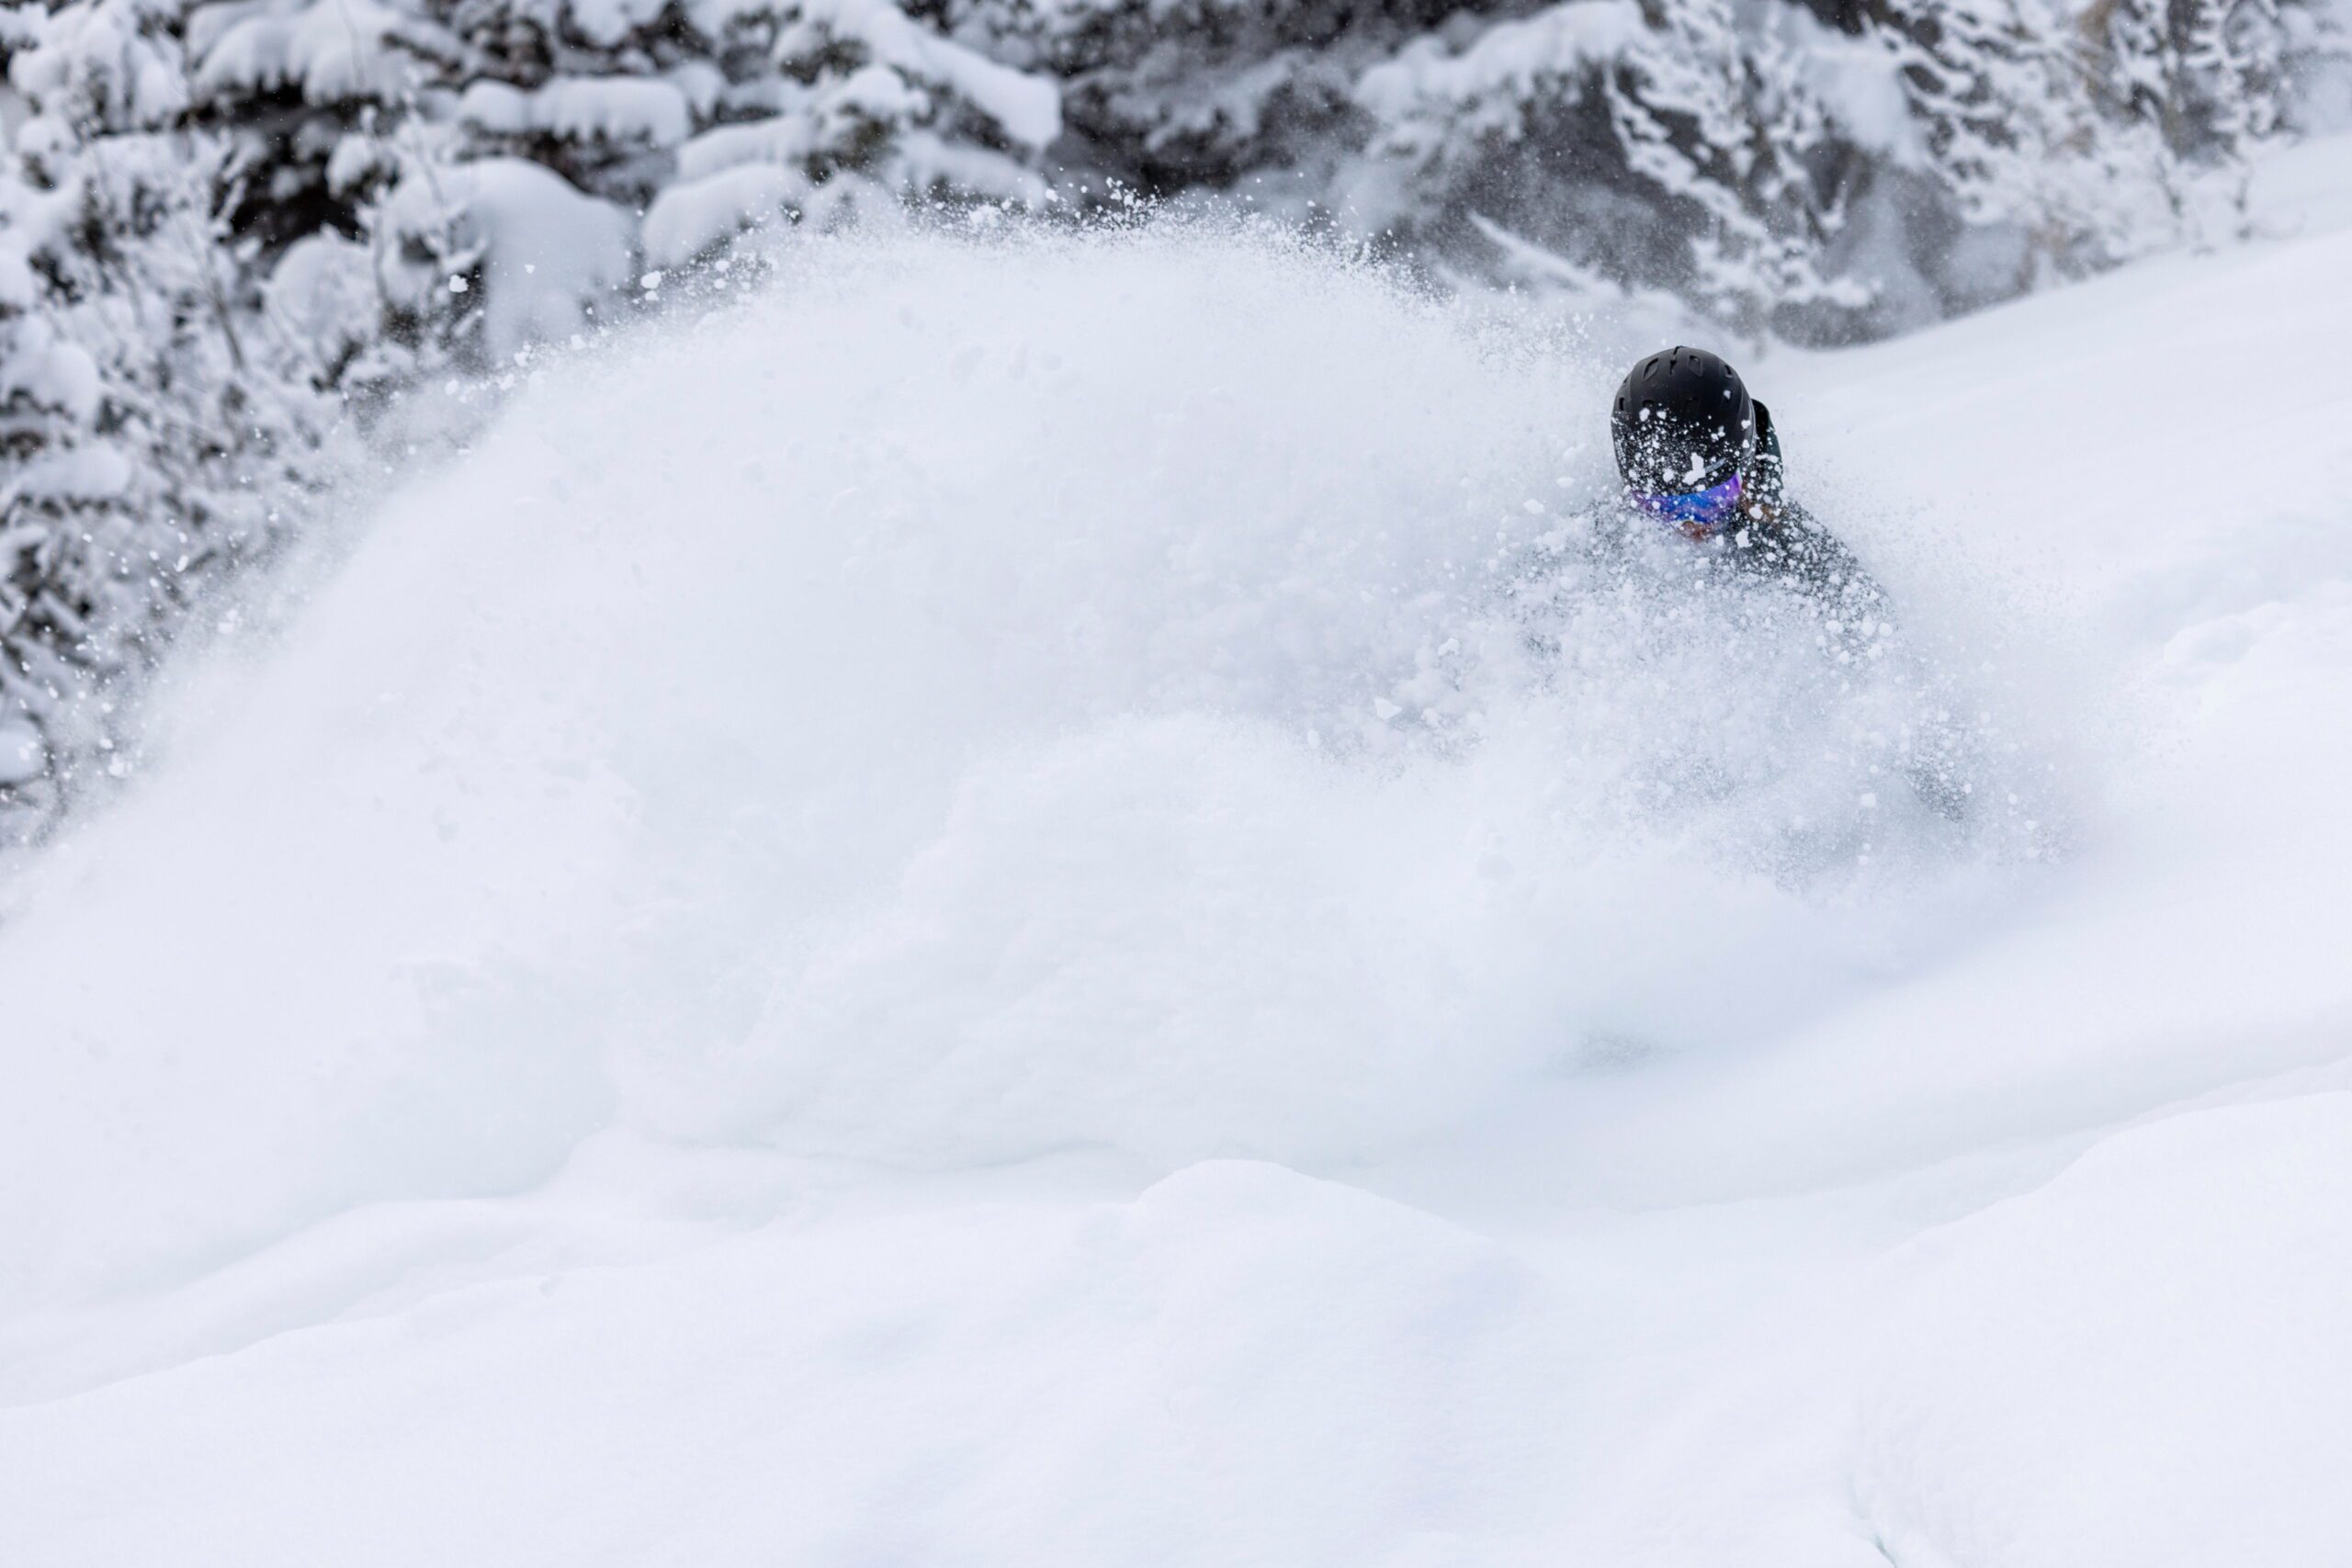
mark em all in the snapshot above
pixel 1710 508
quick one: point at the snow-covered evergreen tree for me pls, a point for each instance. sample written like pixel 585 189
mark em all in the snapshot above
pixel 1251 97
pixel 511 167
pixel 825 108
pixel 344 121
pixel 1726 125
pixel 2194 90
pixel 1672 146
pixel 303 91
pixel 1996 88
pixel 2133 62
pixel 2236 55
pixel 59 472
pixel 160 428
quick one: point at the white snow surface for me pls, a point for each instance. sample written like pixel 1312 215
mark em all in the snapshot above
pixel 968 916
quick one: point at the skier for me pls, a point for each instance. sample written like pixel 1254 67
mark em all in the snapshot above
pixel 1700 456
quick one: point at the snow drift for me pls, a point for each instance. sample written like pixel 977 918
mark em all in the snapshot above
pixel 1026 901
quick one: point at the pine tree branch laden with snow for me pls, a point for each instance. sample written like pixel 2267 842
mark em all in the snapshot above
pixel 1171 96
pixel 837 108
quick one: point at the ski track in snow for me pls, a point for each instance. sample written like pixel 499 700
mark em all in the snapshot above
pixel 1017 904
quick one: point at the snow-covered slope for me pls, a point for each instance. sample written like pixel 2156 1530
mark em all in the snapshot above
pixel 1014 907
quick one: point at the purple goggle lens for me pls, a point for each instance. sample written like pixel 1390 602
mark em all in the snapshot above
pixel 1709 508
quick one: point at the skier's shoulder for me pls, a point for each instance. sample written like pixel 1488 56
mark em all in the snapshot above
pixel 1789 539
pixel 1781 532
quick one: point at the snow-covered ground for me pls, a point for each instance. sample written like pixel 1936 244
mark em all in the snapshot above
pixel 1008 909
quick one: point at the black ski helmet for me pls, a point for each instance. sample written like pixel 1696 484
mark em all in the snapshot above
pixel 1682 420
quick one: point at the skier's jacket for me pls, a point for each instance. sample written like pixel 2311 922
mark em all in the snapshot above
pixel 1771 540
pixel 1776 538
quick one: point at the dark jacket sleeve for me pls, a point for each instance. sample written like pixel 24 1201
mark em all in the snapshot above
pixel 1783 540
pixel 1787 543
pixel 1767 471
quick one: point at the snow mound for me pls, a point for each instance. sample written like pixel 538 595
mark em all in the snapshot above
pixel 2132 1385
